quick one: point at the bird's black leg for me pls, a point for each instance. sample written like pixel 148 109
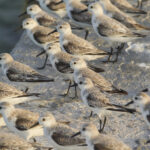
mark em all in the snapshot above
pixel 64 95
pixel 86 34
pixel 40 68
pixel 88 117
pixel 102 127
pixel 75 88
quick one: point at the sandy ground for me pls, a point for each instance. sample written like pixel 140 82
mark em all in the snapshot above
pixel 131 73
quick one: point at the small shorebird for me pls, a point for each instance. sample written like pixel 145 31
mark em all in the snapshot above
pixel 42 17
pixel 61 63
pixel 76 45
pixel 125 6
pixel 98 103
pixel 18 72
pixel 110 29
pixel 115 13
pixel 39 34
pixel 73 8
pixel 143 101
pixel 9 141
pixel 59 134
pixel 81 70
pixel 14 96
pixel 54 7
pixel 20 121
pixel 99 141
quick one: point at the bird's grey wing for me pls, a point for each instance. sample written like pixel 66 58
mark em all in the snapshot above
pixel 23 123
pixel 8 90
pixel 45 21
pixel 77 47
pixel 97 99
pixel 84 17
pixel 100 147
pixel 63 67
pixel 113 29
pixel 43 37
pixel 18 76
pixel 54 6
pixel 66 140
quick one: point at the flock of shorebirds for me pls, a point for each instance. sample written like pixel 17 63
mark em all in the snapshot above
pixel 50 27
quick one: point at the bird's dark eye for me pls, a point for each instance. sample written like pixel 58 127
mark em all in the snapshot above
pixel 43 119
pixel 136 98
pixel 74 62
pixel 27 23
pixel 0 107
pixel 83 129
pixel 49 48
pixel 0 58
pixel 30 9
pixel 60 27
pixel 80 82
pixel 91 7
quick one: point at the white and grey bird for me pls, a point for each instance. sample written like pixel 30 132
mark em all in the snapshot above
pixel 97 101
pixel 59 134
pixel 9 141
pixel 42 17
pixel 110 29
pixel 14 96
pixel 142 100
pixel 125 6
pixel 99 141
pixel 76 45
pixel 81 70
pixel 39 34
pixel 19 72
pixel 53 7
pixel 73 8
pixel 20 121
pixel 115 13
pixel 61 63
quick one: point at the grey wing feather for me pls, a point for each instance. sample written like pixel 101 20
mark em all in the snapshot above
pixel 100 147
pixel 84 17
pixel 78 46
pixel 113 29
pixel 25 124
pixel 25 119
pixel 54 6
pixel 43 38
pixel 66 140
pixel 22 73
pixel 63 67
pixel 46 21
pixel 96 99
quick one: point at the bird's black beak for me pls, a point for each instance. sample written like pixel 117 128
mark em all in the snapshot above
pixel 131 102
pixel 76 28
pixel 52 32
pixel 145 90
pixel 43 52
pixel 78 133
pixel 85 10
pixel 59 2
pixel 24 13
pixel 18 29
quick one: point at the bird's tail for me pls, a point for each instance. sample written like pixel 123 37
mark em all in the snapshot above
pixel 119 91
pixel 121 109
pixel 140 27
